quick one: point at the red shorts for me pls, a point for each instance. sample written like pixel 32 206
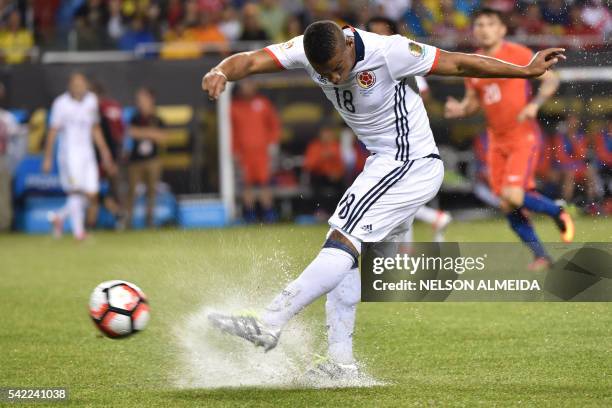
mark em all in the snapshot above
pixel 513 164
pixel 255 171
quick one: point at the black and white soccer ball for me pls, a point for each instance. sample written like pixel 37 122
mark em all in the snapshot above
pixel 119 308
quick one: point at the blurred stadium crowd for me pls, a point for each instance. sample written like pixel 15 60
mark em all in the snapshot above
pixel 186 28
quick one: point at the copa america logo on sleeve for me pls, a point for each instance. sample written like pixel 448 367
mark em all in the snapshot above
pixel 416 50
pixel 366 79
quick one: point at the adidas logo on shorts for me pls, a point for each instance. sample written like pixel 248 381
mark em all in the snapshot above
pixel 367 228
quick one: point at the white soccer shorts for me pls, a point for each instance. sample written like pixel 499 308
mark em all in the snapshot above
pixel 79 174
pixel 381 203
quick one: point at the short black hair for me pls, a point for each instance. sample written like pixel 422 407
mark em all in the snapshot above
pixel 320 41
pixel 487 11
pixel 382 20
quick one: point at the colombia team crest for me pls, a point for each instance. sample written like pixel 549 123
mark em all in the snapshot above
pixel 366 79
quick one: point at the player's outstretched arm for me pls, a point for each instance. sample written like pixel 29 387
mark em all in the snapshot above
pixel 480 66
pixel 236 67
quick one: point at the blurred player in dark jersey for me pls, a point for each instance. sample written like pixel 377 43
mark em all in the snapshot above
pixel 113 129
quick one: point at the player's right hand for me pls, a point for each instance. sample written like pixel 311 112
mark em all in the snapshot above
pixel 214 83
pixel 46 165
pixel 453 109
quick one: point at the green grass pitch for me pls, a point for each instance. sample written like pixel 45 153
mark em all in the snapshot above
pixel 429 354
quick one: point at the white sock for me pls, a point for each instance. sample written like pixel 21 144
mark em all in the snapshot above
pixel 341 308
pixel 323 274
pixel 76 208
pixel 426 214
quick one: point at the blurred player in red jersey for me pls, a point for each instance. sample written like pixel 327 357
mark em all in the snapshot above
pixel 513 133
pixel 113 129
pixel 256 131
pixel 571 150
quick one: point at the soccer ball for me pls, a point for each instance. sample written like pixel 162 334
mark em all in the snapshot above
pixel 119 308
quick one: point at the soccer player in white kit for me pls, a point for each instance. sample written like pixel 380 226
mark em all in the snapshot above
pixel 369 79
pixel 75 118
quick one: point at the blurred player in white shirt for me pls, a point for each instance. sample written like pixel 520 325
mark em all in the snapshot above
pixel 75 118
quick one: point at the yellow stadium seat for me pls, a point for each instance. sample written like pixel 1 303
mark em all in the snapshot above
pixel 37 126
pixel 600 106
pixel 301 112
pixel 176 137
pixel 176 161
pixel 175 115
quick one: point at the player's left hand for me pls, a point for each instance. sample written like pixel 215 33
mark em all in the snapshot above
pixel 544 60
pixel 530 111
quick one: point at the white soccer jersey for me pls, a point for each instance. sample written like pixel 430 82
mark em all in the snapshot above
pixel 74 121
pixel 379 100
